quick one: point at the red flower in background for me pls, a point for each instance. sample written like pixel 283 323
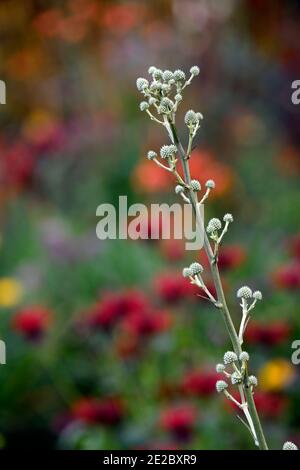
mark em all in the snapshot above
pixel 17 164
pixel 112 307
pixel 231 256
pixel 145 323
pixel 106 411
pixel 295 247
pixel 270 334
pixel 179 420
pixel 288 276
pixel 172 287
pixel 200 383
pixel 32 322
pixel 270 405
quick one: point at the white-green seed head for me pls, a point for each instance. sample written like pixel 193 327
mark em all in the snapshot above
pixel 186 272
pixel 151 70
pixel 288 445
pixel 167 75
pixel 144 105
pixel 252 380
pixel 179 189
pixel 220 368
pixel 195 185
pixel 151 155
pixel 244 293
pixel 157 74
pixel 179 75
pixel 235 378
pixel 199 116
pixel 178 97
pixel 210 184
pixel 141 83
pixel 230 357
pixel 152 100
pixel 228 218
pixel 221 385
pixel 214 225
pixel 244 356
pixel 196 268
pixel 257 295
pixel 190 117
pixel 167 151
pixel 195 70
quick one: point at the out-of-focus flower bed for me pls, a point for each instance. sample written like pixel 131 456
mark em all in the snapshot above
pixel 108 347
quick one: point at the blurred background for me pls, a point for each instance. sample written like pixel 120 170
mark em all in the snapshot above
pixel 107 346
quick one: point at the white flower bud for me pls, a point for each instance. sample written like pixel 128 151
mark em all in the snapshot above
pixel 220 368
pixel 244 356
pixel 157 74
pixel 196 268
pixel 141 83
pixel 167 75
pixel 230 357
pixel 155 86
pixel 195 185
pixel 186 272
pixel 221 385
pixel 257 295
pixel 288 445
pixel 179 75
pixel 152 100
pixel 214 225
pixel 252 380
pixel 244 293
pixel 228 218
pixel 151 70
pixel 168 151
pixel 210 184
pixel 151 155
pixel 179 189
pixel 195 70
pixel 235 378
pixel 144 105
pixel 178 97
pixel 190 117
pixel 199 116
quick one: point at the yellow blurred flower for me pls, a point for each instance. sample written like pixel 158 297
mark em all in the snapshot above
pixel 276 375
pixel 10 292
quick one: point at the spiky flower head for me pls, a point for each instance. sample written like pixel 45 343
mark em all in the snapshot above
pixel 221 385
pixel 235 378
pixel 179 189
pixel 244 356
pixel 252 380
pixel 195 185
pixel 257 295
pixel 141 83
pixel 196 268
pixel 190 117
pixel 195 70
pixel 210 184
pixel 230 357
pixel 144 105
pixel 220 368
pixel 157 74
pixel 168 151
pixel 179 75
pixel 167 75
pixel 151 155
pixel 244 293
pixel 288 445
pixel 155 86
pixel 186 272
pixel 228 218
pixel 178 97
pixel 152 69
pixel 214 225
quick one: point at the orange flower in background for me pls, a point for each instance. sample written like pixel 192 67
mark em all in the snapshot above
pixel 26 63
pixel 121 18
pixel 276 375
pixel 149 178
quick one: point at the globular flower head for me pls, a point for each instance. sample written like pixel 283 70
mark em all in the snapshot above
pixel 195 70
pixel 186 272
pixel 230 357
pixel 141 83
pixel 155 86
pixel 167 75
pixel 214 225
pixel 179 189
pixel 168 151
pixel 244 356
pixel 244 293
pixel 190 117
pixel 288 445
pixel 144 105
pixel 151 155
pixel 152 100
pixel 210 184
pixel 196 268
pixel 221 385
pixel 179 75
pixel 152 69
pixel 157 74
pixel 195 185
pixel 220 368
pixel 252 380
pixel 257 295
pixel 178 97
pixel 235 378
pixel 228 218
pixel 199 116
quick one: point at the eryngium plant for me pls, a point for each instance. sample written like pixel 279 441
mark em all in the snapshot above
pixel 162 95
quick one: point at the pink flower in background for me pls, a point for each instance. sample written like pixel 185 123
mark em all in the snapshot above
pixel 179 420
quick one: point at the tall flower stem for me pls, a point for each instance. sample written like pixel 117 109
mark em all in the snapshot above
pixel 221 304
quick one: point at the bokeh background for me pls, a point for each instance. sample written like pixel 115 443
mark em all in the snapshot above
pixel 107 346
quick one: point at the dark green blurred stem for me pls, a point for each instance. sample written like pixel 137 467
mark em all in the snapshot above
pixel 219 289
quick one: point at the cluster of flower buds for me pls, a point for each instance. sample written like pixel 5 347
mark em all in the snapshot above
pixel 248 302
pixel 194 272
pixel 163 92
pixel 216 230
